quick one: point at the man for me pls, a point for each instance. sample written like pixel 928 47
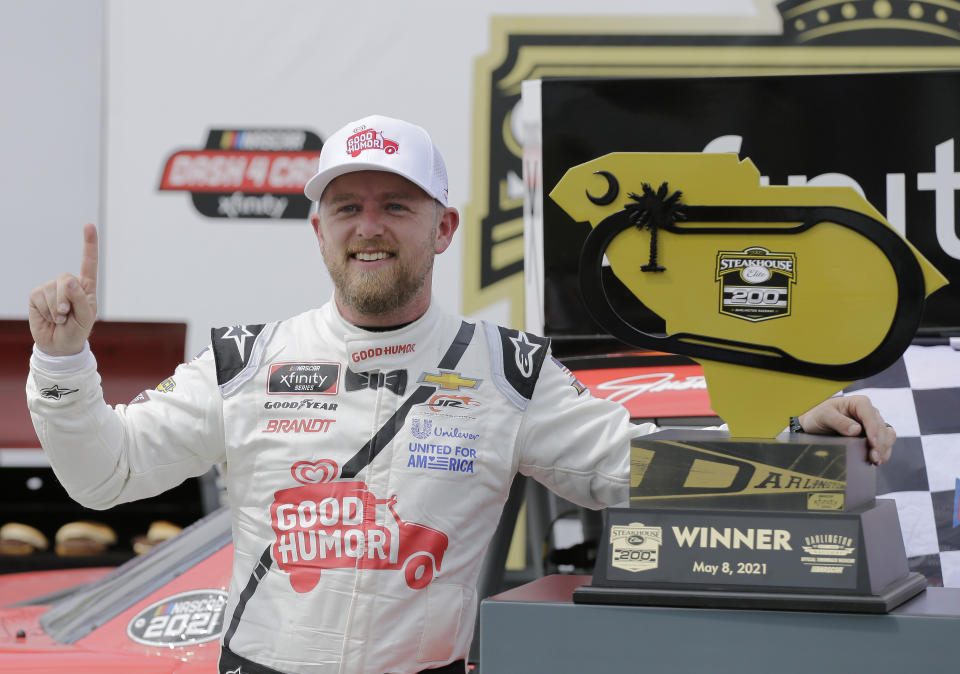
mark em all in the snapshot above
pixel 369 444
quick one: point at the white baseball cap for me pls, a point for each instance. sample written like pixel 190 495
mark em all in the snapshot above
pixel 378 143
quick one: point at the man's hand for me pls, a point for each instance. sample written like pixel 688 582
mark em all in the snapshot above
pixel 851 416
pixel 62 311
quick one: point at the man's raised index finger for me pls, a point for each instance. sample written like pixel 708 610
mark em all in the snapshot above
pixel 90 258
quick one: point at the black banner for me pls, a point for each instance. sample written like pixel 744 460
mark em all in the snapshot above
pixel 892 135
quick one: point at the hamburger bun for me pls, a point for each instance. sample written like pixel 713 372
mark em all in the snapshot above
pixel 159 531
pixel 80 539
pixel 21 539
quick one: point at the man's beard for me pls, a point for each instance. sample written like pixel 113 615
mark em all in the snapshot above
pixel 379 291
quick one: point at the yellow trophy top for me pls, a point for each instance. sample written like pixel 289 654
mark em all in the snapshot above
pixel 781 293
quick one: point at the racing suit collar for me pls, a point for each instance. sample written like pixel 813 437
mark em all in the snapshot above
pixel 387 349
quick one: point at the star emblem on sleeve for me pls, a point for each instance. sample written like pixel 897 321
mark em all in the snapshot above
pixel 239 334
pixel 523 351
pixel 56 392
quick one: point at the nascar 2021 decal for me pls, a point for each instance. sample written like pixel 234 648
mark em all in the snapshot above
pixel 181 620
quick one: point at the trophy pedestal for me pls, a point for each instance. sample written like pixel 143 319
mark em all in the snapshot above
pixel 790 523
pixel 849 562
pixel 889 598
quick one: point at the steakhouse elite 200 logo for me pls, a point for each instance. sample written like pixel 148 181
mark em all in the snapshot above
pixel 247 173
pixel 635 546
pixel 755 283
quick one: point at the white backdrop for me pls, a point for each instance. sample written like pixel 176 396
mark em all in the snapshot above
pixel 179 68
pixel 50 122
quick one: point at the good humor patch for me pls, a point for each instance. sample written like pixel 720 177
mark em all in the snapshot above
pixel 755 283
pixel 442 448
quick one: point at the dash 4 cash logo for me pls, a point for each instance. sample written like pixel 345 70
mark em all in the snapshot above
pixel 755 283
pixel 246 173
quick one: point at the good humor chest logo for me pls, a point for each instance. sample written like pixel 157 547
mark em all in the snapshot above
pixel 325 523
pixel 442 448
pixel 755 283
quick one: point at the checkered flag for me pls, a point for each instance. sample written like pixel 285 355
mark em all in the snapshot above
pixel 919 396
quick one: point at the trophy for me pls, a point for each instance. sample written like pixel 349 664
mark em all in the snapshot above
pixel 784 295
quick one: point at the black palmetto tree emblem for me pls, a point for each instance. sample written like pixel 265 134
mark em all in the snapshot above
pixel 653 210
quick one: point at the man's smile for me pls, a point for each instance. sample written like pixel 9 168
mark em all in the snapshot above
pixel 371 256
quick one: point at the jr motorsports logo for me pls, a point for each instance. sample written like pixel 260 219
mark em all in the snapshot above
pixel 635 547
pixel 247 173
pixel 755 283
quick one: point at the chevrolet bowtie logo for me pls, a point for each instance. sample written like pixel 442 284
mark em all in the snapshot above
pixel 448 381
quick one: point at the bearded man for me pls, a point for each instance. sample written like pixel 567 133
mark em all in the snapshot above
pixel 361 516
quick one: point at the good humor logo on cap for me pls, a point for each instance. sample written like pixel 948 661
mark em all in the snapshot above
pixel 364 138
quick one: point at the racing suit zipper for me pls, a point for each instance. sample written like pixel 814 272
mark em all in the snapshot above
pixel 355 608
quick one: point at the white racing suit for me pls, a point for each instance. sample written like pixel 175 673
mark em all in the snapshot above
pixel 366 471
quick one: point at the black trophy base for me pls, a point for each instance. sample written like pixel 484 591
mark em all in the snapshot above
pixel 843 562
pixel 885 601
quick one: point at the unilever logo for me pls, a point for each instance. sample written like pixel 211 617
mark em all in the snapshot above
pixel 421 427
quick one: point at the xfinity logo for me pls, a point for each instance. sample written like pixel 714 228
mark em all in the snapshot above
pixel 303 379
pixel 313 378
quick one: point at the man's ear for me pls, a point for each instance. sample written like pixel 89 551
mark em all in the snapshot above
pixel 449 222
pixel 315 223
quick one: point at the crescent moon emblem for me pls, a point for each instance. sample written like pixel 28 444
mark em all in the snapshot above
pixel 613 189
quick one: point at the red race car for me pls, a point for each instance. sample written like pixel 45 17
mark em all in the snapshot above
pixel 161 612
pixel 164 611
